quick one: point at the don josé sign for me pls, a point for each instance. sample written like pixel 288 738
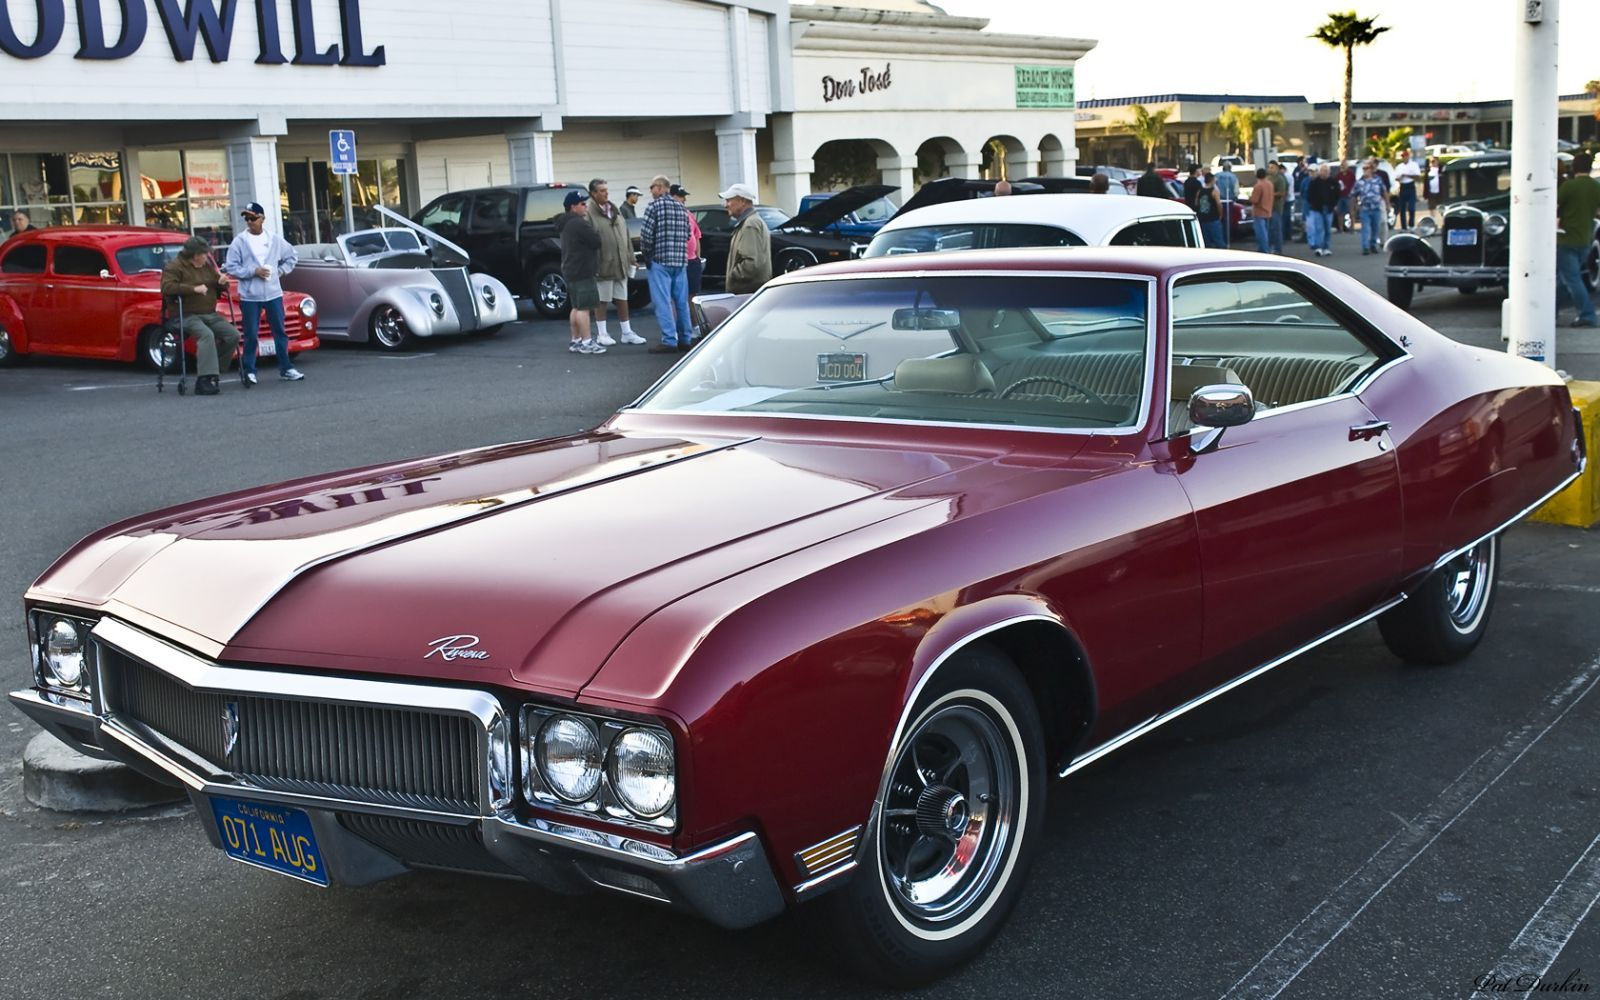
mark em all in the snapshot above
pixel 186 22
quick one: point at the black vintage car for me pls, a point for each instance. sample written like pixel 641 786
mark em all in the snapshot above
pixel 1471 250
pixel 797 242
pixel 511 234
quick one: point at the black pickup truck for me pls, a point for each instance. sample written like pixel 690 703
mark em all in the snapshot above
pixel 511 234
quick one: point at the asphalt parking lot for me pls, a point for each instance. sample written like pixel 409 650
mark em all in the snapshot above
pixel 1342 827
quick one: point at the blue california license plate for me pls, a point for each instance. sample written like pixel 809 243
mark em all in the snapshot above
pixel 1462 237
pixel 276 838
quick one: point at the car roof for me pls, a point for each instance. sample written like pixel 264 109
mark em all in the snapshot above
pixel 1152 262
pixel 1091 217
pixel 119 235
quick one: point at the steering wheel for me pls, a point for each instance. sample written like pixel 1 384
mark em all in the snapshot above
pixel 1006 392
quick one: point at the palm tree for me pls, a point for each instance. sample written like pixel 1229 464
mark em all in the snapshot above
pixel 1346 31
pixel 1592 88
pixel 1148 128
pixel 1388 147
pixel 1241 123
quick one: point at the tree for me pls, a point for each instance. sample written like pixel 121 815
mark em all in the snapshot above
pixel 1388 147
pixel 1592 88
pixel 1346 31
pixel 1241 124
pixel 1148 128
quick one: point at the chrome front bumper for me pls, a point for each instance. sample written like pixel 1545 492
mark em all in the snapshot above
pixel 1448 275
pixel 730 883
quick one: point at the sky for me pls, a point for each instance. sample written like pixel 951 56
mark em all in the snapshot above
pixel 1435 50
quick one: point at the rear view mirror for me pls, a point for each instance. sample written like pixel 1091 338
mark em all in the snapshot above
pixel 926 319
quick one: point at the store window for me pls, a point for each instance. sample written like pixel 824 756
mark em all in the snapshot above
pixel 313 196
pixel 187 191
pixel 60 189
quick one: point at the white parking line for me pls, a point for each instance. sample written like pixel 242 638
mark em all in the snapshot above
pixel 1559 588
pixel 401 357
pixel 1332 917
pixel 118 385
pixel 1530 956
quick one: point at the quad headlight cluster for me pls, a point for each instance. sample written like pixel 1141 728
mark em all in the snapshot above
pixel 583 763
pixel 60 646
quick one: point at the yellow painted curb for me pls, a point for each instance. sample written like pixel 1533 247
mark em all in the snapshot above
pixel 1579 504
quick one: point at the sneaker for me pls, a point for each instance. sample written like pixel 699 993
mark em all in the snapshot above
pixel 629 337
pixel 291 375
pixel 590 347
pixel 604 340
pixel 206 385
pixel 575 346
pixel 248 378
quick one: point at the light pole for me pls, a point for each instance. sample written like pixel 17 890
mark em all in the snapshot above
pixel 1529 313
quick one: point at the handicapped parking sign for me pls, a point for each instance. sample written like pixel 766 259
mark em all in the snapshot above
pixel 342 151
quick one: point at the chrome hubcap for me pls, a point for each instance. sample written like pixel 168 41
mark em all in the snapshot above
pixel 948 819
pixel 389 328
pixel 1467 590
pixel 553 292
pixel 5 345
pixel 164 349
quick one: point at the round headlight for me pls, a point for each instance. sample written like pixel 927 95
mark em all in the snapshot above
pixel 308 307
pixel 1427 227
pixel 488 296
pixel 642 772
pixel 436 303
pixel 1494 225
pixel 569 757
pixel 63 653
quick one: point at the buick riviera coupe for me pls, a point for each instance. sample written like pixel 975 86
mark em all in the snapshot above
pixel 982 518
pixel 95 292
pixel 382 287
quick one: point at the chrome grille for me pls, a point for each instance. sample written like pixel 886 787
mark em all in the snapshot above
pixel 459 289
pixel 390 756
pixel 426 845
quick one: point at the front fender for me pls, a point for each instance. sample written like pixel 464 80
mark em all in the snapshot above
pixel 504 309
pixel 15 325
pixel 143 313
pixel 412 303
pixel 1411 250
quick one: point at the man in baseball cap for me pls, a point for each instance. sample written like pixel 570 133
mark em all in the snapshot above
pixel 258 258
pixel 630 198
pixel 192 277
pixel 750 253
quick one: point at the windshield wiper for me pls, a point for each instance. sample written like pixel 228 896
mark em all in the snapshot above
pixel 845 385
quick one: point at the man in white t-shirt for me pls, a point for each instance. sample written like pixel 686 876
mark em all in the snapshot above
pixel 1406 175
pixel 258 258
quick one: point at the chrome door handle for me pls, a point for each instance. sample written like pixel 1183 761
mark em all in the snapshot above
pixel 1368 430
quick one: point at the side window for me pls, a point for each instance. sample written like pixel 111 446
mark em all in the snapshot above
pixel 712 220
pixel 24 260
pixel 80 261
pixel 545 204
pixel 1152 233
pixel 495 212
pixel 1265 334
pixel 444 215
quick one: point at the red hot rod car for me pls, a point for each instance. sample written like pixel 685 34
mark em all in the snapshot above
pixel 95 292
pixel 982 518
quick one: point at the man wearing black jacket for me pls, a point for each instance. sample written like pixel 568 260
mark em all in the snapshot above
pixel 1151 184
pixel 1322 197
pixel 580 260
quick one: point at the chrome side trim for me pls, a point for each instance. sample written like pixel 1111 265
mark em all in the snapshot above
pixel 1155 722
pixel 826 854
pixel 808 889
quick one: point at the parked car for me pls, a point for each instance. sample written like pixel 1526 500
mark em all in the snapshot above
pixel 380 286
pixel 797 241
pixel 858 224
pixel 1449 151
pixel 1472 248
pixel 95 292
pixel 1229 161
pixel 1039 221
pixel 510 233
pixel 982 520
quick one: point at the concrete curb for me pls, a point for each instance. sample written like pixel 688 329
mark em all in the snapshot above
pixel 59 778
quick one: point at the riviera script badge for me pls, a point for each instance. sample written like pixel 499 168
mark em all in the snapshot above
pixel 456 647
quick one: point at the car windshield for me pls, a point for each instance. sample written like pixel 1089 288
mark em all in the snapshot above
pixel 1047 352
pixel 969 236
pixel 147 256
pixel 1485 181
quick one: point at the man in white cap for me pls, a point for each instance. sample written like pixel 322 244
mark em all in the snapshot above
pixel 750 253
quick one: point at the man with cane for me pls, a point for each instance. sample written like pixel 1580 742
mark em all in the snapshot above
pixel 192 277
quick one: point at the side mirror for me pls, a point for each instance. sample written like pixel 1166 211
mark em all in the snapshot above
pixel 1215 408
pixel 105 273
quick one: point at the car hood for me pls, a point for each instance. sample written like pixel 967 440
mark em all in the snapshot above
pixel 831 210
pixel 418 568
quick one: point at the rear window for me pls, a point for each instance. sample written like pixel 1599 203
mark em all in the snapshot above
pixel 1153 233
pixel 24 260
pixel 970 236
pixel 544 204
pixel 80 262
pixel 147 257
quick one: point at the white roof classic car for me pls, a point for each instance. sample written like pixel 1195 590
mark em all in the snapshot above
pixel 1039 220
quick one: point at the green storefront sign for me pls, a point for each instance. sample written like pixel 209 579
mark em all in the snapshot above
pixel 1044 87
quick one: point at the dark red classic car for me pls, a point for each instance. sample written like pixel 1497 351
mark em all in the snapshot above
pixel 95 292
pixel 980 518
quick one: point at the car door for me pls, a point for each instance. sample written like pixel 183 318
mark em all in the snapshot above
pixel 1299 510
pixel 716 235
pixel 491 228
pixel 83 311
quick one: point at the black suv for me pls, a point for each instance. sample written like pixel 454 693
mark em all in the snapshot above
pixel 510 232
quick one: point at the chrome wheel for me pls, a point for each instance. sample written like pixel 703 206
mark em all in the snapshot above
pixel 950 814
pixel 790 262
pixel 159 349
pixel 552 293
pixel 389 328
pixel 1467 585
pixel 7 352
pixel 1591 267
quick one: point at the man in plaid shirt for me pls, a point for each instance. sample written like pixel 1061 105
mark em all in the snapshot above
pixel 664 242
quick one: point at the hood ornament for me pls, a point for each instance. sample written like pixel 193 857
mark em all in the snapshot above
pixel 844 329
pixel 456 647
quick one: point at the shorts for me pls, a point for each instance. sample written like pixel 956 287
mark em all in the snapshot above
pixel 612 291
pixel 582 293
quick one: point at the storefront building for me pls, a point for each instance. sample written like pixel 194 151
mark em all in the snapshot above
pixel 1311 128
pixel 159 113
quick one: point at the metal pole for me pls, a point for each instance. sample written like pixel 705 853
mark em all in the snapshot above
pixel 1530 311
pixel 350 216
